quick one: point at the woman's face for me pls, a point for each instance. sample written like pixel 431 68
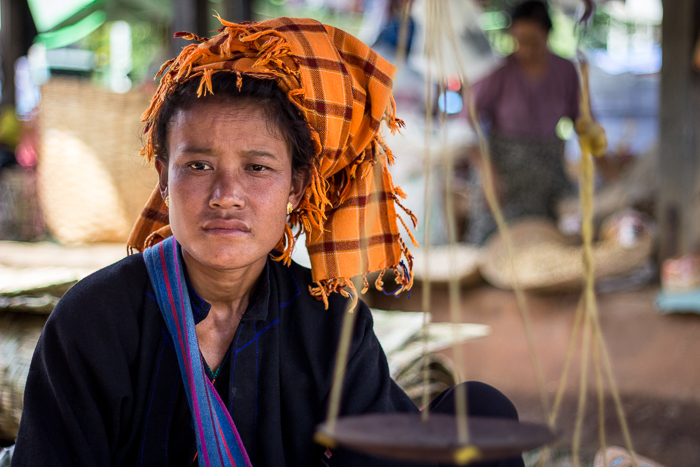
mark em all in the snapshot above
pixel 531 40
pixel 229 178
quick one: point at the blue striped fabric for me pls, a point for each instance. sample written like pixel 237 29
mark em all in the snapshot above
pixel 218 442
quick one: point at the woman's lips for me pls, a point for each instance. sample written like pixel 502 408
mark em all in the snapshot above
pixel 225 227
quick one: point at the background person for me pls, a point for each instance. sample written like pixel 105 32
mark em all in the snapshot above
pixel 520 104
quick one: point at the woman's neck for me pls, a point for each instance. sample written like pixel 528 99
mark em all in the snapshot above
pixel 536 67
pixel 228 291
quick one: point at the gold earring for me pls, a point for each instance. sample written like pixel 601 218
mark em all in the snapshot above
pixel 167 201
pixel 290 208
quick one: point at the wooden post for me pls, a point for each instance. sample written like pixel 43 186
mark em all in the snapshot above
pixel 238 10
pixel 17 32
pixel 191 16
pixel 679 145
pixel 195 16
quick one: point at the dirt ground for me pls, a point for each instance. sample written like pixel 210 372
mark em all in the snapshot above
pixel 654 359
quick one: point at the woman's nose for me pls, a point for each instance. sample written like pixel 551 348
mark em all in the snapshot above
pixel 227 191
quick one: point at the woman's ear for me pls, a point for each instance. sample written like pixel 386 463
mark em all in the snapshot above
pixel 300 182
pixel 162 168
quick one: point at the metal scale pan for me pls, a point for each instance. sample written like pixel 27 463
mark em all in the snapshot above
pixel 404 436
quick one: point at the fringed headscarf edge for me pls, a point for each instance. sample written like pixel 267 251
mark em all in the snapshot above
pixel 310 212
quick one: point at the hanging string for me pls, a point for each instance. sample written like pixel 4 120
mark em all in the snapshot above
pixel 601 398
pixel 616 396
pixel 341 362
pixel 441 16
pixel 578 317
pixel 427 221
pixel 567 364
pixel 402 42
pixel 583 384
pixel 586 194
pixel 592 144
pixel 348 325
pixel 490 193
pixel 435 17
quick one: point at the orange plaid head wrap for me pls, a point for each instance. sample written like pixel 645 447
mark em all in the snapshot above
pixel 343 89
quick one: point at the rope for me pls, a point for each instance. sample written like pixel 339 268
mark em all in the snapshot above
pixel 601 398
pixel 349 319
pixel 586 194
pixel 564 377
pixel 427 213
pixel 402 42
pixel 453 285
pixel 435 17
pixel 567 364
pixel 401 54
pixel 578 426
pixel 591 144
pixel 492 201
pixel 616 397
pixel 341 362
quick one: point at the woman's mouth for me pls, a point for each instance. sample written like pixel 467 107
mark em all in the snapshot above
pixel 233 227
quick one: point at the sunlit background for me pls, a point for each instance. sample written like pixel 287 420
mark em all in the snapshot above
pixel 118 46
pixel 78 74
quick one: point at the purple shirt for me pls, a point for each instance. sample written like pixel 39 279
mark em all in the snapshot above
pixel 518 105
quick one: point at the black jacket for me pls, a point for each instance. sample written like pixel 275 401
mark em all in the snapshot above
pixel 104 387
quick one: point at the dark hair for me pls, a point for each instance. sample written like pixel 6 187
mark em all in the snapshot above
pixel 532 10
pixel 281 114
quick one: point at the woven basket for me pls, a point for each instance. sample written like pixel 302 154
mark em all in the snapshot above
pixel 462 261
pixel 19 211
pixel 19 334
pixel 545 261
pixel 92 182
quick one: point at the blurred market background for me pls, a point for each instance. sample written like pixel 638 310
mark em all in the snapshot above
pixel 77 75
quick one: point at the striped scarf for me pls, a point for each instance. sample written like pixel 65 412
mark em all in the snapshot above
pixel 343 89
pixel 218 442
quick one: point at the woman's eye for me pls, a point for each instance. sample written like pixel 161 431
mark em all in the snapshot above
pixel 257 168
pixel 198 166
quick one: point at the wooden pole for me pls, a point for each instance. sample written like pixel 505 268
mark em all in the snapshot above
pixel 678 199
pixel 7 53
pixel 17 32
pixel 238 10
pixel 191 16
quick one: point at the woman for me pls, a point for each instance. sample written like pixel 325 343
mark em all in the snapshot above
pixel 521 104
pixel 212 347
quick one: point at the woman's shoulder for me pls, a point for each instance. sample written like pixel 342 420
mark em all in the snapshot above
pixel 110 294
pixel 294 284
pixel 562 65
pixel 310 328
pixel 499 68
pixel 115 280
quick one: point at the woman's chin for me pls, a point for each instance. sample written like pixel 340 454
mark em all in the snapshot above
pixel 230 260
pixel 225 257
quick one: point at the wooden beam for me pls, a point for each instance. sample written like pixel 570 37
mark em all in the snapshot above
pixel 679 126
